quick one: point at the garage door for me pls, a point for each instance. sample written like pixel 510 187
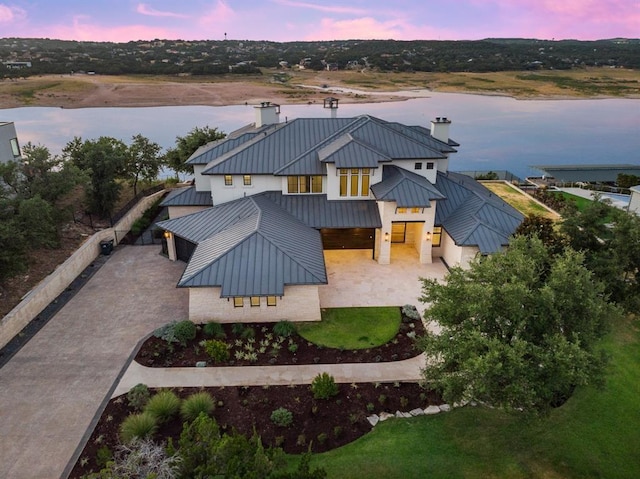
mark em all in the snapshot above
pixel 350 238
pixel 184 249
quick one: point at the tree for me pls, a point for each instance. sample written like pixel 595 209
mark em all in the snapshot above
pixel 519 329
pixel 143 161
pixel 627 181
pixel 36 218
pixel 12 247
pixel 176 157
pixel 544 229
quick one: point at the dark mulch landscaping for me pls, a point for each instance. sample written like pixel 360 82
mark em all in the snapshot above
pixel 156 352
pixel 323 424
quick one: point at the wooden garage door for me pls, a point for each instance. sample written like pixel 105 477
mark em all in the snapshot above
pixel 350 238
pixel 184 249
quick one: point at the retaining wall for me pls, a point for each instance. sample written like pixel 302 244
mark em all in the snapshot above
pixel 54 284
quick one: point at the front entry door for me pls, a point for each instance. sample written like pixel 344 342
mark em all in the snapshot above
pixel 398 231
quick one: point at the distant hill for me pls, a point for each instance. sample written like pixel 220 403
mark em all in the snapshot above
pixel 33 56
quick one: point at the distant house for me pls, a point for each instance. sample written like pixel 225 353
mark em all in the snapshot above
pixel 272 196
pixel 634 202
pixel 9 145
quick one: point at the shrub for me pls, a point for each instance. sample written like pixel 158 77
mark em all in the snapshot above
pixel 216 350
pixel 138 426
pixel 409 311
pixel 293 347
pixel 404 402
pixel 284 328
pixel 370 407
pixel 382 399
pixel 138 396
pixel 322 438
pixel 324 386
pixel 214 330
pixel 302 440
pixel 195 404
pixel 163 406
pixel 282 417
pixel 166 333
pixel 185 331
pixel 238 329
pixel 103 456
pixel 337 431
pixel 248 333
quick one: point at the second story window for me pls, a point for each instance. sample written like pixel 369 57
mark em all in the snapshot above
pixel 354 181
pixel 304 184
pixel 228 180
pixel 246 180
pixel 417 166
pixel 430 165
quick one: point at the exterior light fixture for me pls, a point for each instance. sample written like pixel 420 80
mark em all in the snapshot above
pixel 386 236
pixel 167 234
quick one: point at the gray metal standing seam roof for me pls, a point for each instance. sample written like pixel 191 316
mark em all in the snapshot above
pixel 474 216
pixel 188 197
pixel 250 248
pixel 406 188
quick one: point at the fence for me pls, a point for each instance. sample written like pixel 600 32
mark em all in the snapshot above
pixel 492 175
pixel 53 285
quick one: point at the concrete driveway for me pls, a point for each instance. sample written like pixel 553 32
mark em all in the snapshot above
pixel 355 279
pixel 51 389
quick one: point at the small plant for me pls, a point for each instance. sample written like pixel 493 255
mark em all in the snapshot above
pixel 163 406
pixel 382 399
pixel 284 329
pixel 314 409
pixel 411 335
pixel 138 396
pixel 370 407
pixel 337 431
pixel 324 386
pixel 353 418
pixel 138 426
pixel 184 331
pixel 216 350
pixel 279 441
pixel 410 312
pixel 103 456
pixel 404 402
pixel 322 438
pixel 237 329
pixel 195 404
pixel 302 440
pixel 282 417
pixel 293 347
pixel 214 330
pixel 248 333
pixel 423 396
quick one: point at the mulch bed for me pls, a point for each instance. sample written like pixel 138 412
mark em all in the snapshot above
pixel 156 352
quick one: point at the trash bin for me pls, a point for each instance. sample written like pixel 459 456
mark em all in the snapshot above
pixel 106 247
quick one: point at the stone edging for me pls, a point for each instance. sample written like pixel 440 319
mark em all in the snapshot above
pixel 428 411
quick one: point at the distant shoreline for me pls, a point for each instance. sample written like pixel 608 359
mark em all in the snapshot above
pixel 92 91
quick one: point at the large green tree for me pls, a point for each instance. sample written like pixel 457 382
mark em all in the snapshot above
pixel 185 146
pixel 518 329
pixel 143 161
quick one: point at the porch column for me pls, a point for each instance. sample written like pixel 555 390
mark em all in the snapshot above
pixel 171 245
pixel 384 249
pixel 426 244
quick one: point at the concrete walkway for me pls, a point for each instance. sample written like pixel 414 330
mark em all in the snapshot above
pixel 51 389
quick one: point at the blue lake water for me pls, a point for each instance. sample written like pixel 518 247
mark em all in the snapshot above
pixel 495 133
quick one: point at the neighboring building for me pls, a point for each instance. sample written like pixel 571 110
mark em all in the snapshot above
pixel 588 173
pixel 634 202
pixel 9 146
pixel 271 196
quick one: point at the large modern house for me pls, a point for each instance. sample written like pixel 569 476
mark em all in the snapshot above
pixel 271 197
pixel 9 146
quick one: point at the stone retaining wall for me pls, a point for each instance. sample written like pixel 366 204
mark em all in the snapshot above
pixel 54 284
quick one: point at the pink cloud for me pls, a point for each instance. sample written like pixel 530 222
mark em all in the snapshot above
pixel 321 8
pixel 145 9
pixel 368 28
pixel 83 30
pixel 11 14
pixel 220 13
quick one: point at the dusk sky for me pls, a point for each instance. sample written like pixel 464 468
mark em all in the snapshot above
pixel 290 20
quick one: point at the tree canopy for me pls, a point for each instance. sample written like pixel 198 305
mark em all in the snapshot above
pixel 518 329
pixel 185 146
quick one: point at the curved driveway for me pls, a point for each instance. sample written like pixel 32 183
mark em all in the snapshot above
pixel 49 391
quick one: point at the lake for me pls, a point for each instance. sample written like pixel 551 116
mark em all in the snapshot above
pixel 495 133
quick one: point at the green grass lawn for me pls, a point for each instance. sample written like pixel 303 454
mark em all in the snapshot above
pixel 581 203
pixel 353 328
pixel 596 434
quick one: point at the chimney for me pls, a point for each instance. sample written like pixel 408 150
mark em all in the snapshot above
pixel 440 129
pixel 332 104
pixel 267 113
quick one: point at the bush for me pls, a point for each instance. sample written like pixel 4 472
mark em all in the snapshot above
pixel 184 331
pixel 103 456
pixel 322 438
pixel 195 404
pixel 138 426
pixel 284 328
pixel 138 396
pixel 214 330
pixel 238 329
pixel 282 417
pixel 163 406
pixel 324 386
pixel 411 312
pixel 216 350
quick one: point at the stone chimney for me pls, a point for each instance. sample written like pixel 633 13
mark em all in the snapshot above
pixel 440 129
pixel 267 113
pixel 331 104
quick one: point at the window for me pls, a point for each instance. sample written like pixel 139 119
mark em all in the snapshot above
pixel 401 210
pixel 354 181
pixel 228 180
pixel 15 148
pixel 436 237
pixel 238 302
pixel 255 301
pixel 418 166
pixel 271 300
pixel 246 180
pixel 416 210
pixel 304 184
pixel 430 165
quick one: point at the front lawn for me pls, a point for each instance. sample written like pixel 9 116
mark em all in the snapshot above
pixel 353 328
pixel 595 434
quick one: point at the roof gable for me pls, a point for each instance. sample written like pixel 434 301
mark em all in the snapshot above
pixel 188 196
pixel 406 188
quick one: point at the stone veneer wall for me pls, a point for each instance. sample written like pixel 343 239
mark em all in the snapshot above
pixel 299 303
pixel 54 284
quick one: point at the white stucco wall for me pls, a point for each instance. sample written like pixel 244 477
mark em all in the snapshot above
pixel 410 165
pixel 203 182
pixel 299 303
pixel 259 183
pixel 456 255
pixel 178 211
pixel 634 202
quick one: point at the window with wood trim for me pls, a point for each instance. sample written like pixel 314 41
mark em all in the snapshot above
pixel 255 301
pixel 271 301
pixel 401 211
pixel 354 182
pixel 416 210
pixel 246 180
pixel 228 180
pixel 238 302
pixel 304 184
pixel 436 237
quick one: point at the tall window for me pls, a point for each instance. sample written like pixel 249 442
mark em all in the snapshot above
pixel 246 180
pixel 238 302
pixel 228 180
pixel 15 147
pixel 304 184
pixel 354 181
pixel 436 237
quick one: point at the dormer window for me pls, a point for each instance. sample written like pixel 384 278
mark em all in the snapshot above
pixel 354 181
pixel 304 184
